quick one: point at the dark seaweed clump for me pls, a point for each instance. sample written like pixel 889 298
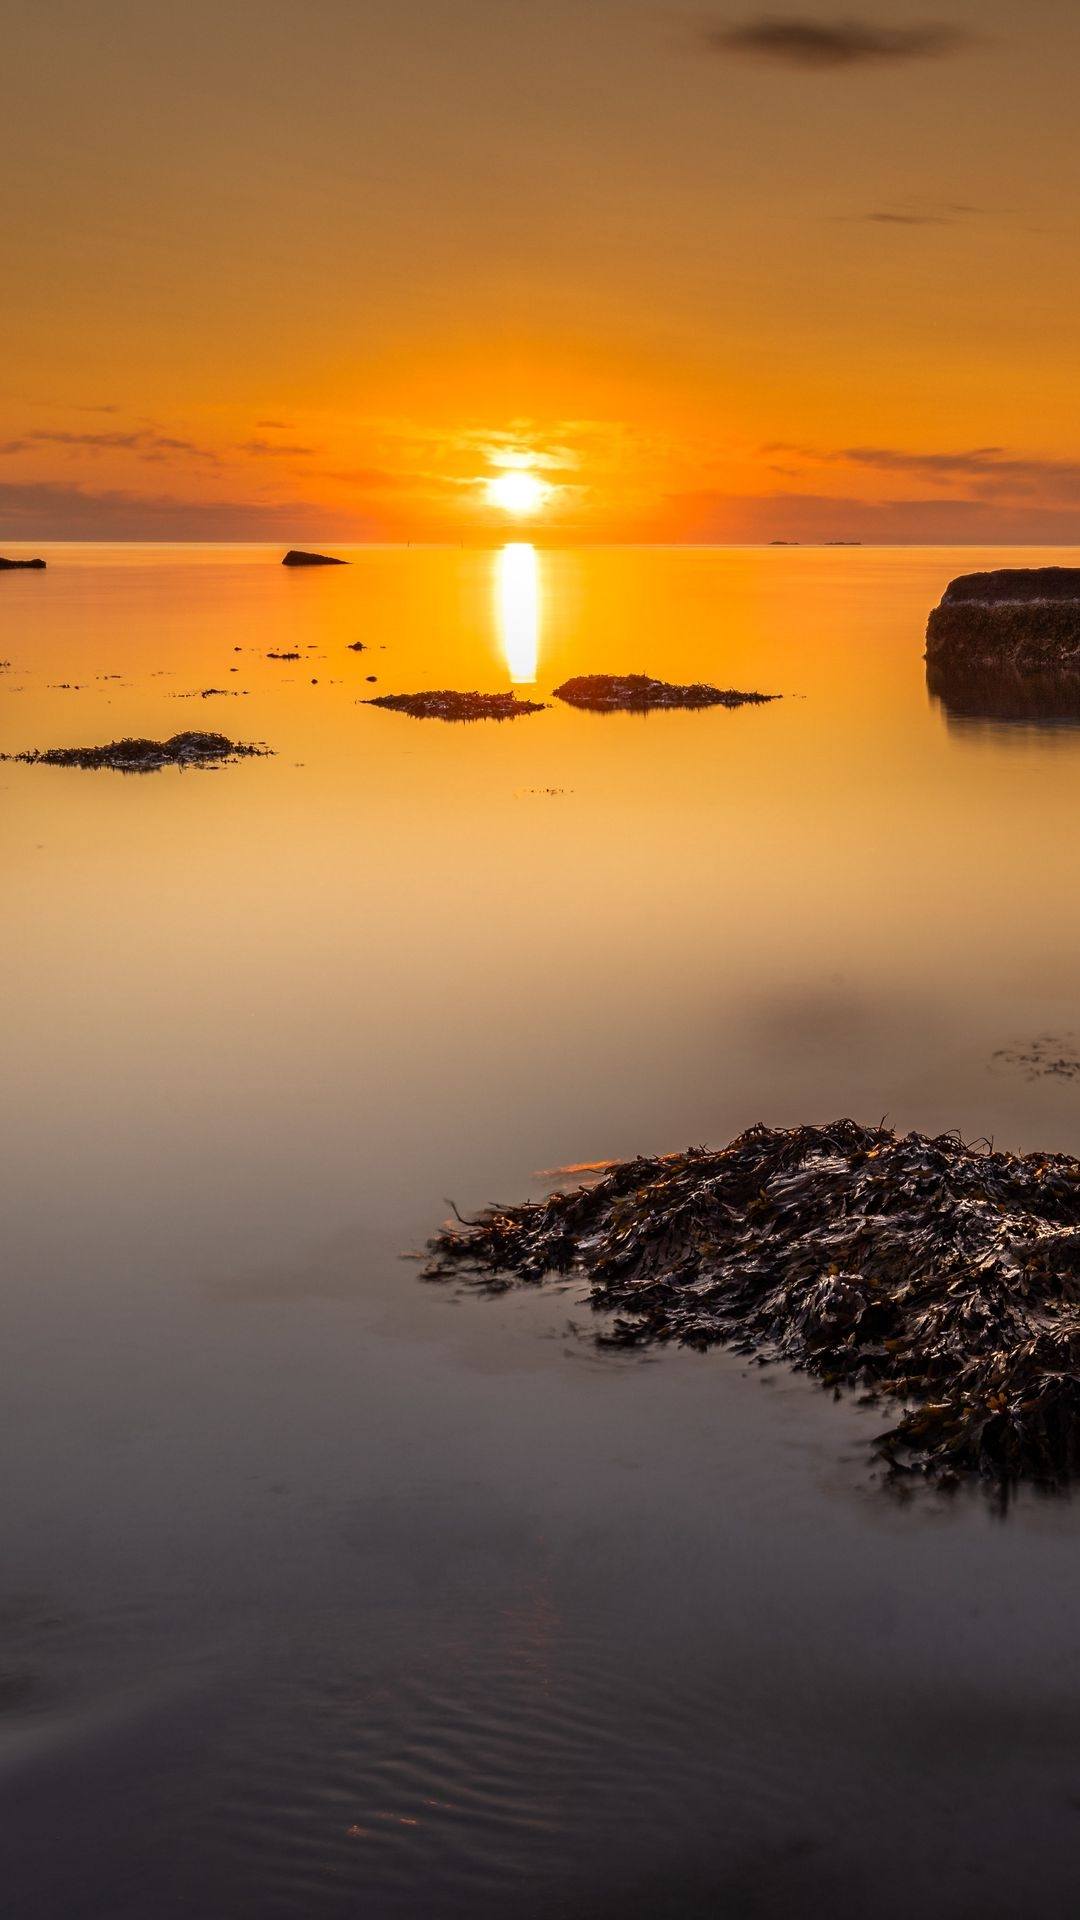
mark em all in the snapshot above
pixel 446 705
pixel 941 1275
pixel 637 692
pixel 146 756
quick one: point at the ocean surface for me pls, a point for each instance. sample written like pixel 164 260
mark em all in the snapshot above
pixel 329 1595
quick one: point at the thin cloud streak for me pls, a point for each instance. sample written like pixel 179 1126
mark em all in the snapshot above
pixel 993 473
pixel 145 441
pixel 50 510
pixel 818 45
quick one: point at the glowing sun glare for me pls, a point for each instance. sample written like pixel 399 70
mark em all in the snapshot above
pixel 517 590
pixel 516 492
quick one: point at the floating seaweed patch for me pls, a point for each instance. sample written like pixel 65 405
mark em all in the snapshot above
pixel 146 756
pixel 1048 1057
pixel 639 692
pixel 283 656
pixel 940 1275
pixel 213 693
pixel 446 705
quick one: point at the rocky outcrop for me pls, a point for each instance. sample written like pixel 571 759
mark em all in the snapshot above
pixel 296 557
pixel 21 566
pixel 1023 618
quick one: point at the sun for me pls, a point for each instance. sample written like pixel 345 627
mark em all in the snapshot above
pixel 516 491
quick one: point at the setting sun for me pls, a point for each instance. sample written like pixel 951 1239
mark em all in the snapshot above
pixel 516 492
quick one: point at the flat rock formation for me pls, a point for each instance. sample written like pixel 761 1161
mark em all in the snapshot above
pixel 146 756
pixel 942 1277
pixel 296 557
pixel 445 705
pixel 639 692
pixel 17 566
pixel 1026 618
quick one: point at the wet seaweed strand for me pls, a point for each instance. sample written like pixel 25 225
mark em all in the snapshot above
pixel 943 1275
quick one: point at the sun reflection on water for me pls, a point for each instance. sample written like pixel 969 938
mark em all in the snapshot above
pixel 517 595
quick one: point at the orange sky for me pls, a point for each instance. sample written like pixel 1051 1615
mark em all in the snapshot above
pixel 313 273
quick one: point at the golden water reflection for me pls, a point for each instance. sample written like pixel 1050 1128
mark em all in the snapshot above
pixel 517 598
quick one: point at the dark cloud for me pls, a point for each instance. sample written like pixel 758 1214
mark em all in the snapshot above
pixel 995 471
pixel 793 516
pixel 990 473
pixel 931 213
pixel 275 447
pixel 910 219
pixel 49 510
pixel 149 442
pixel 795 41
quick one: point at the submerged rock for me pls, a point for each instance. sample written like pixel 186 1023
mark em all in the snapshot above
pixel 940 1275
pixel 1025 618
pixel 638 692
pixel 446 705
pixel 296 557
pixel 15 566
pixel 146 756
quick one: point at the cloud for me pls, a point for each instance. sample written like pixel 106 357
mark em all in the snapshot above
pixel 815 518
pixel 261 447
pixel 149 442
pixel 795 41
pixel 49 510
pixel 993 472
pixel 945 213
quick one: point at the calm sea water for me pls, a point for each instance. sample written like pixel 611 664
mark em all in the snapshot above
pixel 325 1594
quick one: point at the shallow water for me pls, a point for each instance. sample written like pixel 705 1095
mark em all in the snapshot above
pixel 325 1593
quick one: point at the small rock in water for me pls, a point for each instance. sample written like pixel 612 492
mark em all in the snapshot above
pixel 638 692
pixel 21 566
pixel 942 1276
pixel 446 705
pixel 296 557
pixel 146 756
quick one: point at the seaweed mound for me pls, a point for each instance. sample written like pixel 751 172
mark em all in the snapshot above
pixel 1027 618
pixel 445 705
pixel 944 1276
pixel 638 692
pixel 296 557
pixel 146 756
